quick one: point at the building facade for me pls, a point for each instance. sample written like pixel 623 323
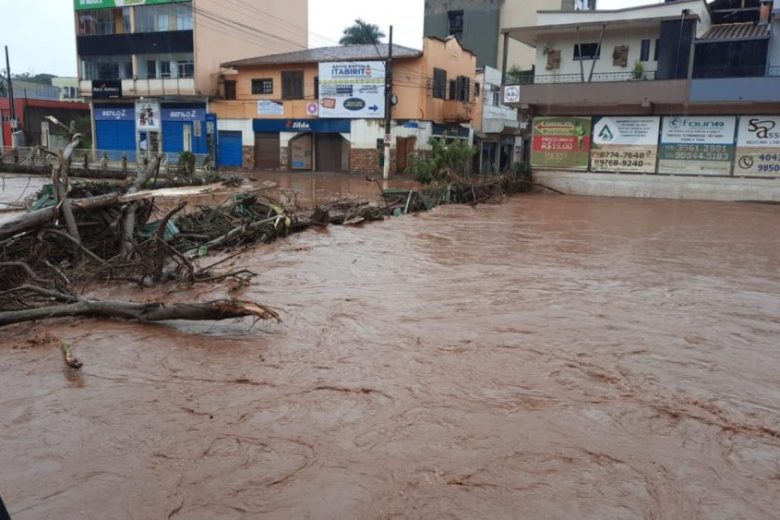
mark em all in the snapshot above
pixel 497 129
pixel 478 24
pixel 323 109
pixel 149 68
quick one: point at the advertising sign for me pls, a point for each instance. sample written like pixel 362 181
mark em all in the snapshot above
pixel 266 107
pixel 147 115
pixel 114 113
pixel 330 126
pixel 80 5
pixel 758 146
pixel 107 89
pixel 352 90
pixel 625 144
pixel 700 145
pixel 561 142
pixel 183 114
pixel 511 94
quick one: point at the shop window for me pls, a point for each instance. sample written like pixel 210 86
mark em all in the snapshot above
pixel 587 51
pixel 230 90
pixel 439 83
pixel 263 86
pixel 292 84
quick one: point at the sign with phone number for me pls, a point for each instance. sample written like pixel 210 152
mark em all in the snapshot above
pixel 758 146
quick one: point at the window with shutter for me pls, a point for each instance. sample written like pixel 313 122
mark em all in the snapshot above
pixel 439 83
pixel 292 84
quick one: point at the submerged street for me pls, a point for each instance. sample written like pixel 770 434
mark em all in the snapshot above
pixel 548 357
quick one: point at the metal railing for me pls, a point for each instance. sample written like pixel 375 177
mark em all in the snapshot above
pixel 109 160
pixel 598 77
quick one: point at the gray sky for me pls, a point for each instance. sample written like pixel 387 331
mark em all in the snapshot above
pixel 39 33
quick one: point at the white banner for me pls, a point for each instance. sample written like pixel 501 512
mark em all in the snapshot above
pixel 147 115
pixel 697 145
pixel 625 144
pixel 699 130
pixel 758 146
pixel 352 90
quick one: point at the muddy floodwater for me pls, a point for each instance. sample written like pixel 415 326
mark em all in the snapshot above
pixel 551 357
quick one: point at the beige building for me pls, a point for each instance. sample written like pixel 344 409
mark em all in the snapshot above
pixel 275 109
pixel 167 53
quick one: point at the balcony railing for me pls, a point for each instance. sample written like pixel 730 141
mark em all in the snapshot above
pixel 598 77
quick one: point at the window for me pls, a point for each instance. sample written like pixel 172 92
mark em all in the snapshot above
pixel 587 51
pixel 496 91
pixel 657 46
pixel 164 22
pixel 316 87
pixel 151 69
pixel 453 89
pixel 439 83
pixel 292 84
pixel 644 54
pixel 107 67
pixel 476 89
pixel 263 86
pixel 230 90
pixel 185 69
pixel 165 69
pixel 462 85
pixel 455 19
pixel 104 21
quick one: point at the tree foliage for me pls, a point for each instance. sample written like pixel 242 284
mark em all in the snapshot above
pixel 361 33
pixel 446 158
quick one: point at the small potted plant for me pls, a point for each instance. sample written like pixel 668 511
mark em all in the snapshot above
pixel 639 70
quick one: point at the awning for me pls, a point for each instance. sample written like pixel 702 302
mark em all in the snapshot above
pixel 729 32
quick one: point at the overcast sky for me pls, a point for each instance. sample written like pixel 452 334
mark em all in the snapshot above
pixel 39 33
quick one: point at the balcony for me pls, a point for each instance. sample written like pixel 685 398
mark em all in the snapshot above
pixel 457 111
pixel 149 87
pixel 603 90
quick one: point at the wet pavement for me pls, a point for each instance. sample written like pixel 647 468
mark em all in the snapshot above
pixel 550 357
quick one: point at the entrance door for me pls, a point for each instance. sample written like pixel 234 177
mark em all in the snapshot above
pixel 266 151
pixel 404 147
pixel 230 151
pixel 328 153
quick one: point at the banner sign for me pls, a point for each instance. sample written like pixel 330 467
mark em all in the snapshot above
pixel 183 114
pixel 81 5
pixel 266 107
pixel 758 146
pixel 147 115
pixel 107 89
pixel 114 113
pixel 625 144
pixel 699 145
pixel 354 90
pixel 561 142
pixel 342 126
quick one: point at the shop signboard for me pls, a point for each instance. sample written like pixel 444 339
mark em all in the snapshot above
pixel 758 146
pixel 183 114
pixel 697 145
pixel 342 126
pixel 266 107
pixel 625 144
pixel 81 5
pixel 352 90
pixel 147 115
pixel 107 89
pixel 124 113
pixel 561 142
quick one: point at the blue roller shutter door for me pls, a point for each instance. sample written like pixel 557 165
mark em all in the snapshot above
pixel 230 151
pixel 116 138
pixel 173 136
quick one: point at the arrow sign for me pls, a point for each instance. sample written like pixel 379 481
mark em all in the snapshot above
pixel 373 108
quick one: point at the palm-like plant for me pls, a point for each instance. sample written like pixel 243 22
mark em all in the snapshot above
pixel 361 32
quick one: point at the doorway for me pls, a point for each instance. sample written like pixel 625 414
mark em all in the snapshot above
pixel 404 148
pixel 266 151
pixel 329 153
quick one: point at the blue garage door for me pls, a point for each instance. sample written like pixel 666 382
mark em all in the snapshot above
pixel 116 138
pixel 230 148
pixel 173 136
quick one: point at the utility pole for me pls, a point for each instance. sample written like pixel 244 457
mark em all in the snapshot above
pixel 10 84
pixel 388 104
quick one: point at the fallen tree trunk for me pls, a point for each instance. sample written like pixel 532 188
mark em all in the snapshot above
pixel 143 312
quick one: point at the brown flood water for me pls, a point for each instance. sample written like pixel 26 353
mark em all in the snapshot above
pixel 550 357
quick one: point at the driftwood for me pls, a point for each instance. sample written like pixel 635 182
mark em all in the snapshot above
pixel 128 223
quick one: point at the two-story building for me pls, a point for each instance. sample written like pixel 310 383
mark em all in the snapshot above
pixel 323 109
pixel 150 67
pixel 497 127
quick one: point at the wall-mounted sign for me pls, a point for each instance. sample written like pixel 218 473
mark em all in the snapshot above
pixel 302 125
pixel 266 107
pixel 80 5
pixel 625 144
pixel 312 109
pixel 352 89
pixel 758 146
pixel 147 115
pixel 697 145
pixel 183 114
pixel 120 113
pixel 511 94
pixel 561 142
pixel 107 89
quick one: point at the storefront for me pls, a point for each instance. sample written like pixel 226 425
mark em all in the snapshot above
pixel 302 144
pixel 115 130
pixel 184 129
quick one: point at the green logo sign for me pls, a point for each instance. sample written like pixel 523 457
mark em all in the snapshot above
pixel 81 5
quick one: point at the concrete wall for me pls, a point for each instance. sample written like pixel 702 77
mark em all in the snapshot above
pixel 480 25
pixel 274 27
pixel 765 89
pixel 521 13
pixel 661 186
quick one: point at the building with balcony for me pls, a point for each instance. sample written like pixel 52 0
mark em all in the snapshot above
pixel 497 129
pixel 323 109
pixel 478 24
pixel 149 68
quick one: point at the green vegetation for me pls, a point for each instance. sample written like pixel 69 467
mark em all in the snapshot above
pixel 446 159
pixel 361 33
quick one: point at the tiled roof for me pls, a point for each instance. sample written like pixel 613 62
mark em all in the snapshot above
pixel 736 31
pixel 338 53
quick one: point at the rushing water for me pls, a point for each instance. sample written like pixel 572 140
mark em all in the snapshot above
pixel 550 357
